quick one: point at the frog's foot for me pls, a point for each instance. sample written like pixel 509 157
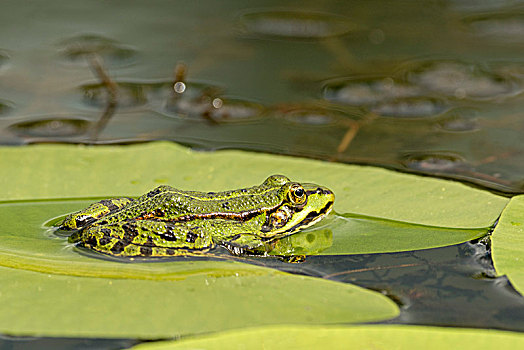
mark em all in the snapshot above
pixel 292 259
pixel 92 213
pixel 146 238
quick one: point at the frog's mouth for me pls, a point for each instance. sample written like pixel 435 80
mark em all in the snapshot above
pixel 311 218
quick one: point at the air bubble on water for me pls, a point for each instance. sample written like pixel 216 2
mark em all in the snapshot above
pixel 179 87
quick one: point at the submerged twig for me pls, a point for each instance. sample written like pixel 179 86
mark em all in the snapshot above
pixel 353 128
pixel 96 65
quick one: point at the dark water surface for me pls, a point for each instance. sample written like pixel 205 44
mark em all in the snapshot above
pixel 431 87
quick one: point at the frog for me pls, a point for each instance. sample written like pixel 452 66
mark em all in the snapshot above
pixel 167 221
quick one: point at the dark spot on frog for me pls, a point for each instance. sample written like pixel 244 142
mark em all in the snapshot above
pixel 130 229
pixel 310 238
pixel 154 192
pixel 170 251
pixel 149 241
pixel 106 238
pixel 191 237
pixel 118 247
pixel 159 213
pixel 89 241
pixel 110 204
pixel 225 205
pixel 146 251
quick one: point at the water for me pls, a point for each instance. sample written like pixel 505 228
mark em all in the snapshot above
pixel 433 88
pixel 84 72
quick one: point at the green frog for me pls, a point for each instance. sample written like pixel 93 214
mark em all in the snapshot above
pixel 169 222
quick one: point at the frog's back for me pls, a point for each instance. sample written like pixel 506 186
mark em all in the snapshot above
pixel 169 203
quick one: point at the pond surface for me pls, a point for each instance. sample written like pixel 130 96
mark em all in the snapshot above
pixel 433 88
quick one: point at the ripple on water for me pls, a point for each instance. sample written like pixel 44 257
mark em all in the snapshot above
pixel 4 57
pixel 51 127
pixel 77 49
pixel 459 121
pixel 5 107
pixel 194 99
pixel 365 92
pixel 462 81
pixel 505 26
pixel 433 162
pixel 128 95
pixel 234 110
pixel 312 116
pixel 414 107
pixel 294 24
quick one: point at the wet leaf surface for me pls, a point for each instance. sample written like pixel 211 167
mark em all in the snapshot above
pixel 508 243
pixel 362 337
pixel 57 305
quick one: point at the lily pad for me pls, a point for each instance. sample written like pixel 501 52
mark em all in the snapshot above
pixel 508 243
pixel 65 171
pixel 27 243
pixel 54 305
pixel 352 337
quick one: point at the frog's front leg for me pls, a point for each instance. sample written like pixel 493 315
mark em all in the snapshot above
pixel 93 212
pixel 246 244
pixel 145 238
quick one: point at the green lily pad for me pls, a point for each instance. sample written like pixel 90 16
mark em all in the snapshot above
pixel 66 171
pixel 45 277
pixel 34 303
pixel 508 243
pixel 352 337
pixel 27 244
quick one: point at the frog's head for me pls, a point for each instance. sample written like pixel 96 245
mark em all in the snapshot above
pixel 301 205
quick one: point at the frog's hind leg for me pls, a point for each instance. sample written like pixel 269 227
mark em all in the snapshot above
pixel 145 238
pixel 93 212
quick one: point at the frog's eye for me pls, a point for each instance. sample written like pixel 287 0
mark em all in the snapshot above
pixel 297 194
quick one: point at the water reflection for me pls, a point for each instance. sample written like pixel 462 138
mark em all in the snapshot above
pixel 459 123
pixel 130 95
pixel 76 49
pixel 294 24
pixel 5 107
pixel 418 107
pixel 435 162
pixel 507 27
pixel 51 127
pixel 365 92
pixel 4 57
pixel 461 81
